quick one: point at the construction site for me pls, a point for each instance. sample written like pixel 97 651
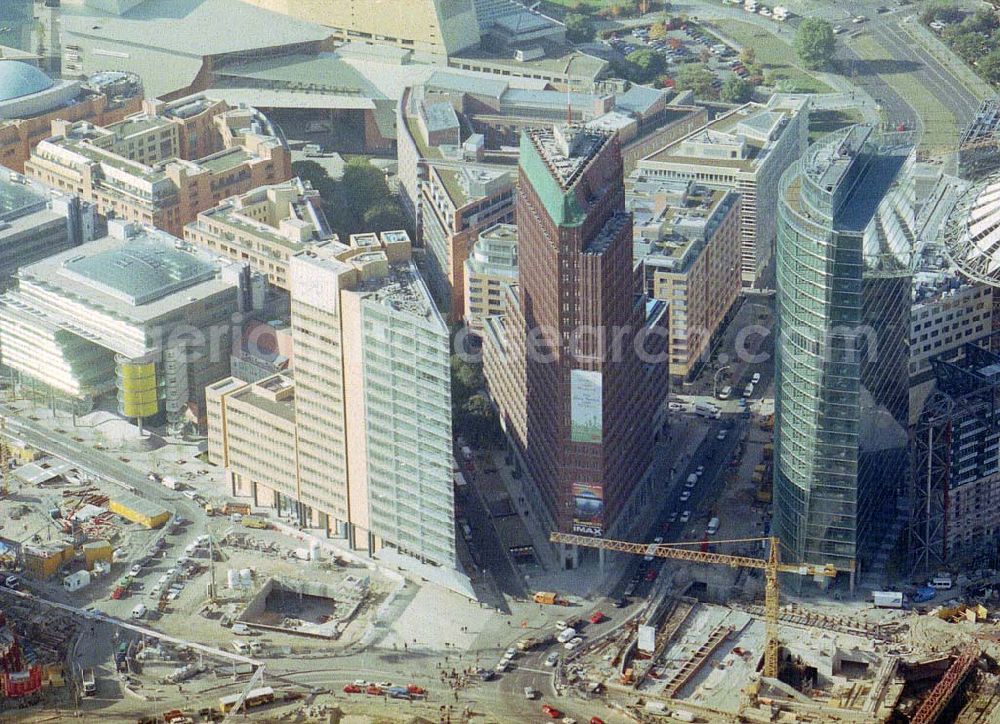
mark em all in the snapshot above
pixel 689 658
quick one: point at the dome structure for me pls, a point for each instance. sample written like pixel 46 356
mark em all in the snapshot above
pixel 19 79
pixel 972 236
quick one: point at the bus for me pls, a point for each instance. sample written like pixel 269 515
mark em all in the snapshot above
pixel 254 697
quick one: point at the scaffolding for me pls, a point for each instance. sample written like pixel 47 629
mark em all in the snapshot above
pixel 967 387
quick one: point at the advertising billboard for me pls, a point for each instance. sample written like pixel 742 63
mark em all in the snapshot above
pixel 588 512
pixel 586 406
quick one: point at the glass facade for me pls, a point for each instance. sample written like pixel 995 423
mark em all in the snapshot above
pixel 840 395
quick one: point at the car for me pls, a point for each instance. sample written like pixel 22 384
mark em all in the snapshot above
pixel 560 624
pixel 673 517
pixel 725 393
pixel 172 595
pixel 596 720
pixel 756 378
pixel 135 570
pixel 721 435
pixel 551 711
pixel 171 572
pixel 685 516
pixel 155 592
pixel 675 406
pixel 373 690
pixel 352 689
pixel 699 471
pixel 383 684
pixel 503 666
pixel 685 496
pixel 530 692
pixel 360 682
pixel 597 617
pixel 552 659
pixel 510 653
pixel 573 644
pixel 651 574
pixel 568 720
pixel 838 29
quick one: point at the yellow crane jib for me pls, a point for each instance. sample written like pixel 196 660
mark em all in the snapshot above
pixel 771 566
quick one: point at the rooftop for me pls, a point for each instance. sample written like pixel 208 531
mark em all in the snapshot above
pixel 192 27
pixel 139 272
pixel 559 60
pixel 753 128
pixel 566 150
pixel 18 197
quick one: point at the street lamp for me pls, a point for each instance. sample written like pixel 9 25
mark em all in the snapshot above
pixel 715 380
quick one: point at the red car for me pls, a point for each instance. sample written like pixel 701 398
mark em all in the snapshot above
pixel 352 689
pixel 596 720
pixel 551 711
pixel 373 690
pixel 651 574
pixel 415 690
pixel 597 617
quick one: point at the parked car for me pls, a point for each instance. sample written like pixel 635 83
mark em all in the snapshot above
pixel 685 516
pixel 552 659
pixel 352 689
pixel 685 496
pixel 551 712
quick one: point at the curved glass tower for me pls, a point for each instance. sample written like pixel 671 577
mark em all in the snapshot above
pixel 843 305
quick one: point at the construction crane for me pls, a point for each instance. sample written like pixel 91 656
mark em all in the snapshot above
pixel 771 566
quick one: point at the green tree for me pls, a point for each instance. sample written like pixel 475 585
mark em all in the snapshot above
pixel 736 90
pixel 969 46
pixel 989 67
pixel 385 216
pixel 479 421
pixel 943 12
pixel 363 185
pixel 814 43
pixel 645 65
pixel 748 56
pixel 579 28
pixel 658 31
pixel 695 78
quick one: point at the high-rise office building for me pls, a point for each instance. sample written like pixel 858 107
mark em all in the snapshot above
pixel 579 379
pixel 843 326
pixel 362 424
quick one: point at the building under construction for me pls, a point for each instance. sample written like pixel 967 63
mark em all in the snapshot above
pixel 979 148
pixel 956 463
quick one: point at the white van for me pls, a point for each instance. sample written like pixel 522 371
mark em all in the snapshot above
pixel 566 635
pixel 139 611
pixel 941 581
pixel 691 481
pixel 713 526
pixel 241 629
pixel 726 392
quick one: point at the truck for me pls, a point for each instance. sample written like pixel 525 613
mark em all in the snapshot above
pixel 527 643
pixel 548 598
pixel 781 13
pixel 254 522
pixel 89 683
pixel 171 483
pixel 239 508
pixel 887 599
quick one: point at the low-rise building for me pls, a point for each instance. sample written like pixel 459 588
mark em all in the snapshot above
pixel 30 101
pixel 36 222
pixel 490 268
pixel 745 150
pixel 265 226
pixel 164 166
pixel 687 242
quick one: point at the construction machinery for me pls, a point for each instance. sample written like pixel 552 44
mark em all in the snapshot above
pixel 771 566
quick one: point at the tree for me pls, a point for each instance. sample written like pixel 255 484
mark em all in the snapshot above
pixel 385 216
pixel 579 28
pixel 704 55
pixel 942 12
pixel 748 56
pixel 479 421
pixel 969 46
pixel 695 78
pixel 658 31
pixel 736 90
pixel 814 42
pixel 645 65
pixel 363 185
pixel 989 67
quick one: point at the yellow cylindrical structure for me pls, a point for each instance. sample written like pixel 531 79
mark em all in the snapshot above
pixel 137 393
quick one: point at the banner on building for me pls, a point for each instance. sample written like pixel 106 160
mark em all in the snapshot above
pixel 588 514
pixel 586 406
